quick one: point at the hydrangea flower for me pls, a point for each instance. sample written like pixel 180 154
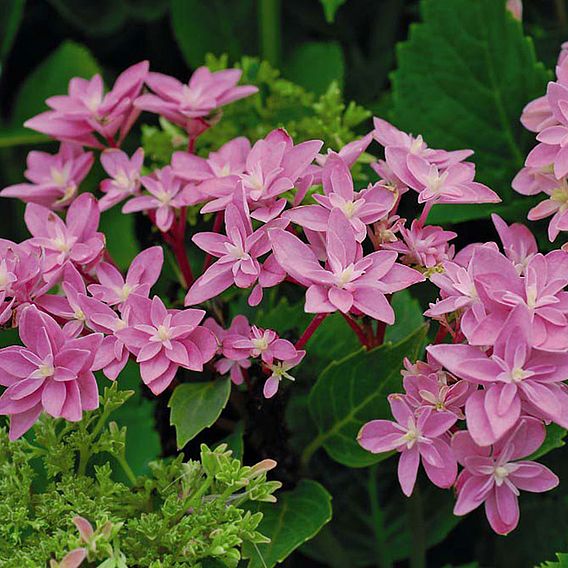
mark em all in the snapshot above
pixel 124 175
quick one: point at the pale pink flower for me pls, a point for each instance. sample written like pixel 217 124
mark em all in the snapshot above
pixel 519 244
pixel 74 240
pixel 112 355
pixel 264 343
pixel 142 274
pixel 86 109
pixel 515 7
pixel 72 559
pixel 50 372
pixel 124 175
pixel 238 252
pixel 361 208
pixel 516 378
pixel 167 194
pixel 55 178
pixel 272 167
pixel 417 437
pixel 349 281
pixel 556 205
pixel 454 184
pixel 280 370
pixel 423 246
pixel 495 475
pixel 164 340
pixel 205 92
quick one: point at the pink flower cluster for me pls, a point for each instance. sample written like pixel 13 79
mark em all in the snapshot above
pixel 546 166
pixel 502 375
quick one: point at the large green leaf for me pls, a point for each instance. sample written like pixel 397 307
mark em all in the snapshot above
pixel 195 406
pixel 10 137
pixel 554 439
pixel 562 561
pixel 315 65
pixel 212 27
pixel 463 77
pixel 51 77
pixel 408 316
pixel 330 7
pixel 13 11
pixel 120 236
pixel 297 517
pixel 353 391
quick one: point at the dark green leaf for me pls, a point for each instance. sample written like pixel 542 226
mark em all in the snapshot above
pixel 51 77
pixel 13 10
pixel 554 439
pixel 462 82
pixel 330 7
pixel 99 18
pixel 408 316
pixel 235 441
pixel 19 136
pixel 353 391
pixel 562 561
pixel 120 238
pixel 297 517
pixel 211 27
pixel 195 406
pixel 315 65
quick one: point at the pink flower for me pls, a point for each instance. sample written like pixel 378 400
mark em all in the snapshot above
pixel 423 246
pixel 164 340
pixel 143 273
pixel 205 92
pixel 124 175
pixel 349 281
pixel 516 379
pixel 519 244
pixel 399 146
pixel 272 167
pixel 51 372
pixel 350 153
pixel 453 184
pixel 87 109
pixel 54 178
pixel 233 361
pixel 279 370
pixel 264 343
pixel 112 355
pixel 417 437
pixel 515 7
pixel 361 208
pixel 238 252
pixel 168 194
pixel 494 476
pixel 556 205
pixel 74 240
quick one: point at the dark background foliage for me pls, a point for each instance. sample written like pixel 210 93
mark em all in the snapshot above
pixel 358 49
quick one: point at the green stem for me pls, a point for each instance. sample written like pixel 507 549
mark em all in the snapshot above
pixel 416 521
pixel 194 501
pixel 269 30
pixel 309 451
pixel 126 468
pixel 83 460
pixel 383 555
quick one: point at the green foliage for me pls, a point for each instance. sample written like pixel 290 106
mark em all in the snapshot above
pixel 279 103
pixel 299 515
pixel 330 7
pixel 462 82
pixel 562 561
pixel 51 77
pixel 9 25
pixel 554 439
pixel 211 27
pixel 315 65
pixel 195 406
pixel 353 391
pixel 183 514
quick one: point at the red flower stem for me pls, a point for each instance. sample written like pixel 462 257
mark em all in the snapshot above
pixel 111 142
pixel 357 329
pixel 380 335
pixel 217 224
pixel 440 336
pixel 177 243
pixel 424 214
pixel 309 331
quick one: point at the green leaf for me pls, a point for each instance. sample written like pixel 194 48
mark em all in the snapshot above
pixel 353 391
pixel 463 78
pixel 408 316
pixel 330 7
pixel 195 406
pixel 13 11
pixel 235 440
pixel 297 517
pixel 120 236
pixel 211 27
pixel 100 18
pixel 51 77
pixel 562 561
pixel 10 137
pixel 315 65
pixel 554 439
